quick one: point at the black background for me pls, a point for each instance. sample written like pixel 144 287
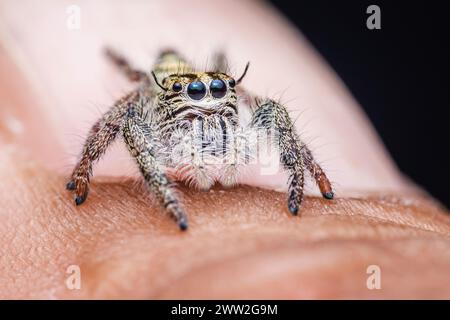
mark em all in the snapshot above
pixel 399 74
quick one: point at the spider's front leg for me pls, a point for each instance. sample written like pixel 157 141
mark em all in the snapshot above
pixel 294 154
pixel 100 137
pixel 122 63
pixel 136 133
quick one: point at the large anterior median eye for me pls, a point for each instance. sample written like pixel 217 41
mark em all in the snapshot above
pixel 218 88
pixel 196 90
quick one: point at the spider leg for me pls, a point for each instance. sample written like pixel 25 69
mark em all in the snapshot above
pixel 198 157
pixel 136 133
pixel 99 138
pixel 317 173
pixel 193 154
pixel 239 147
pixel 294 155
pixel 124 66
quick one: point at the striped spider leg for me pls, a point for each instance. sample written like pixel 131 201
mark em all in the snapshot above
pixel 295 155
pixel 127 117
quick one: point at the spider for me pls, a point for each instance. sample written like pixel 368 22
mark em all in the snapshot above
pixel 180 119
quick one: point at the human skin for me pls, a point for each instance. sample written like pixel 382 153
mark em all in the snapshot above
pixel 242 242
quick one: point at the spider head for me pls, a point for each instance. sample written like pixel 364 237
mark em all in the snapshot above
pixel 199 94
pixel 201 86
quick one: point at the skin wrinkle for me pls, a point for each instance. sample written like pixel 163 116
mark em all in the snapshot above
pixel 383 212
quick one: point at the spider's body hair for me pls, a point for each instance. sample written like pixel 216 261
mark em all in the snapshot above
pixel 207 150
pixel 199 140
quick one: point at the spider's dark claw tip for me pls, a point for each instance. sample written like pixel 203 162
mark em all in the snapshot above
pixel 79 200
pixel 328 195
pixel 70 185
pixel 293 209
pixel 183 225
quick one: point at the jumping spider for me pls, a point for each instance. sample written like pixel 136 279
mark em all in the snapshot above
pixel 193 115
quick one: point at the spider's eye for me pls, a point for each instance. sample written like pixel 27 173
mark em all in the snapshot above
pixel 196 90
pixel 231 83
pixel 218 88
pixel 177 87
